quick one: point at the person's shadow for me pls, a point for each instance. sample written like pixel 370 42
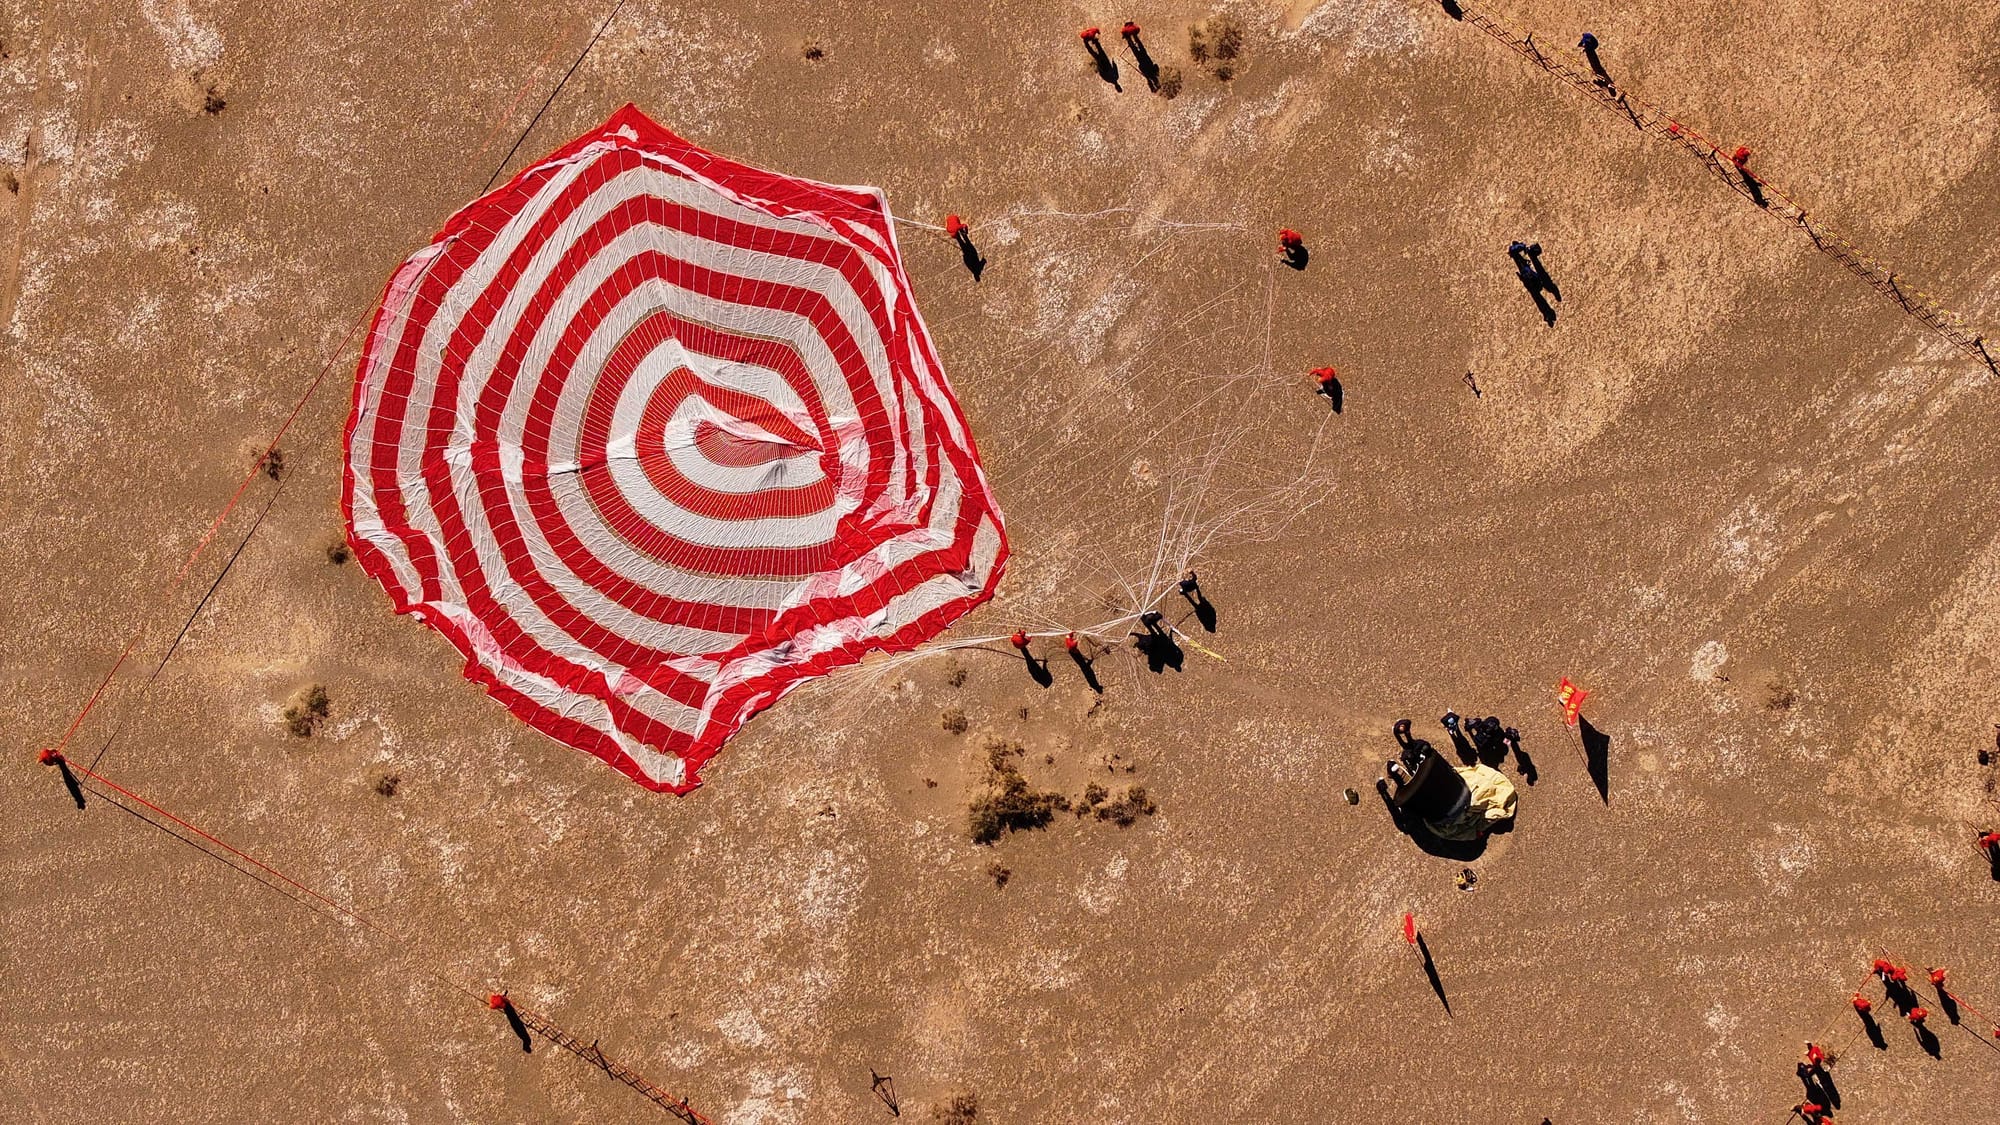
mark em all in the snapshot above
pixel 1297 257
pixel 1204 610
pixel 885 1089
pixel 69 781
pixel 519 1027
pixel 1949 1003
pixel 1160 650
pixel 1542 276
pixel 1819 1085
pixel 1928 1040
pixel 1148 69
pixel 969 254
pixel 1466 754
pixel 1038 670
pixel 1874 1030
pixel 1596 757
pixel 1535 278
pixel 1106 69
pixel 1088 667
pixel 1334 393
pixel 1521 760
pixel 1590 55
pixel 1901 995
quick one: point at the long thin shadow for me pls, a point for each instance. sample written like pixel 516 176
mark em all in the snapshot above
pixel 1521 759
pixel 1597 65
pixel 1148 69
pixel 1542 275
pixel 1542 306
pixel 1901 995
pixel 520 1029
pixel 885 1089
pixel 1089 669
pixel 1874 1031
pixel 1336 396
pixel 1106 69
pixel 1431 971
pixel 1928 1040
pixel 1535 278
pixel 1038 670
pixel 975 264
pixel 1204 611
pixel 70 782
pixel 1596 757
pixel 1819 1086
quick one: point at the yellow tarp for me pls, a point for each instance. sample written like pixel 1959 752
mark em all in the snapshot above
pixel 1493 800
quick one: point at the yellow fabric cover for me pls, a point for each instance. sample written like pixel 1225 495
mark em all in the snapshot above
pixel 1493 800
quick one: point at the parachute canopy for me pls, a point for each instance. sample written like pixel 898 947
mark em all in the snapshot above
pixel 652 437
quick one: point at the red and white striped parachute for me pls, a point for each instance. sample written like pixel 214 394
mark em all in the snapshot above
pixel 653 436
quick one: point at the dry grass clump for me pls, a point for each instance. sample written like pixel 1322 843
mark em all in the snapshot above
pixel 1009 804
pixel 962 1109
pixel 1123 810
pixel 1780 696
pixel 1128 807
pixel 953 720
pixel 1216 43
pixel 307 710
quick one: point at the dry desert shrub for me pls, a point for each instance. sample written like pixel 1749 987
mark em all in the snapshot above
pixel 307 710
pixel 1009 804
pixel 1128 808
pixel 962 1109
pixel 1217 39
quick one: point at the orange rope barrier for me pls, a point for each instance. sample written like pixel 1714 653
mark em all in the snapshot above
pixel 1732 170
pixel 194 835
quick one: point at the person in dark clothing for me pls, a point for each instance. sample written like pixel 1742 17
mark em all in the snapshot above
pixel 1589 45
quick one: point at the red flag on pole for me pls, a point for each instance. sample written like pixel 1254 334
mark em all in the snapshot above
pixel 1409 927
pixel 1571 697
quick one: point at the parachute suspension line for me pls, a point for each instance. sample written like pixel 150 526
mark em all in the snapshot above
pixel 201 545
pixel 1186 528
pixel 296 890
pixel 602 26
pixel 174 647
pixel 298 408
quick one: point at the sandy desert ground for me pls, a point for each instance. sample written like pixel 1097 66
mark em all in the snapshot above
pixel 1732 490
